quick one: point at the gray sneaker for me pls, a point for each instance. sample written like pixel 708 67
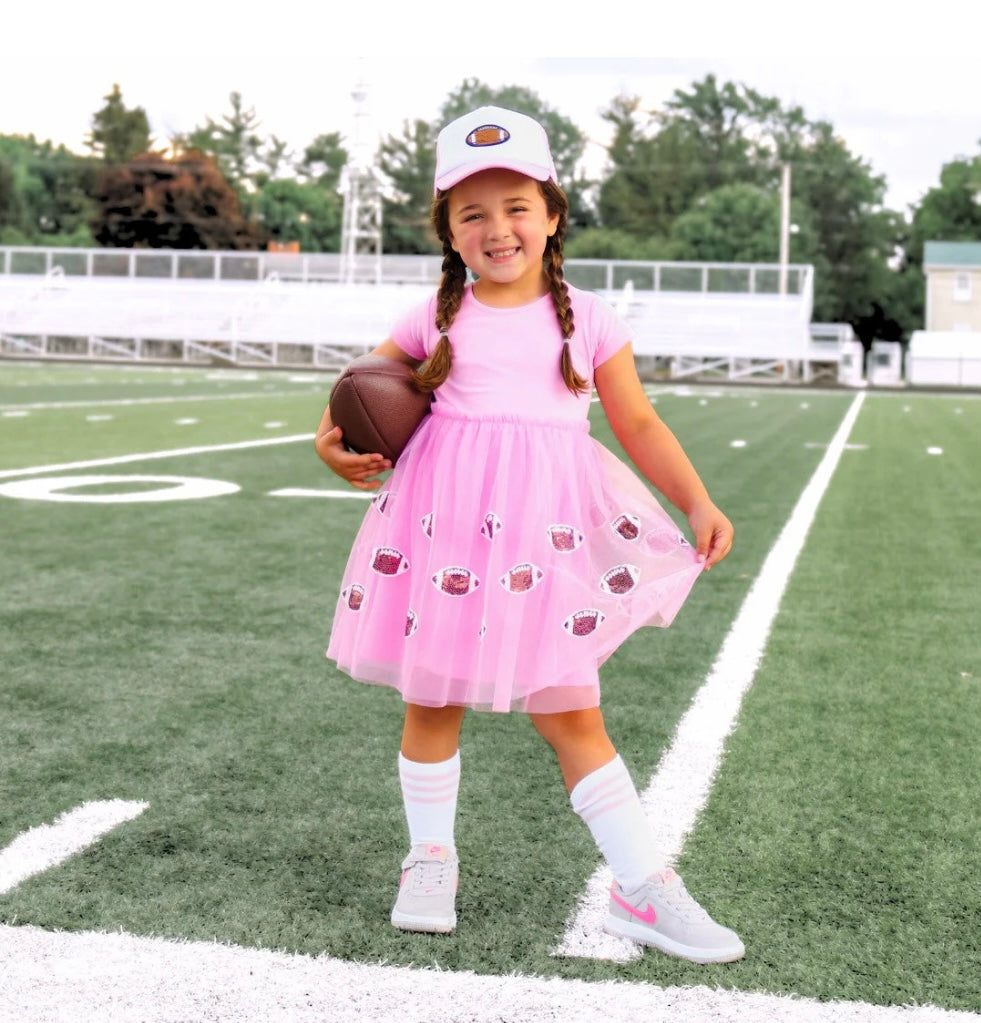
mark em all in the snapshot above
pixel 427 892
pixel 662 913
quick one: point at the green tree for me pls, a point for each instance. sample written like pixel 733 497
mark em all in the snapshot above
pixel 408 162
pixel 951 212
pixel 118 133
pixel 323 161
pixel 291 211
pixel 182 202
pixel 234 142
pixel 665 163
pixel 8 197
pixel 606 243
pixel 740 224
pixel 49 202
pixel 730 128
pixel 652 178
pixel 662 161
pixel 856 235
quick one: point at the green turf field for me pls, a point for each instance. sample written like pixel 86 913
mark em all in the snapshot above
pixel 172 652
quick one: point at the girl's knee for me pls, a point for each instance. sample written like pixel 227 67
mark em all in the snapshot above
pixel 573 726
pixel 434 717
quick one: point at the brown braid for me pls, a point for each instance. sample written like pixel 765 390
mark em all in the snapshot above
pixel 436 368
pixel 557 203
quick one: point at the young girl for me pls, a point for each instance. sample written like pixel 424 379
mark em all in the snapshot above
pixel 509 554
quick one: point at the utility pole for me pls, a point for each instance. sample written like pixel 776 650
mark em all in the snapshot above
pixel 784 225
pixel 361 235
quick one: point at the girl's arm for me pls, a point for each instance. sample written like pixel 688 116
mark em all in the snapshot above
pixel 360 471
pixel 655 450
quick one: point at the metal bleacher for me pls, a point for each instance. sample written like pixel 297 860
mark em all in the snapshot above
pixel 734 321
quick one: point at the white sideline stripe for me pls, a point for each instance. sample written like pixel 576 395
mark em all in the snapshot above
pixel 147 456
pixel 47 845
pixel 681 784
pixel 168 399
pixel 95 977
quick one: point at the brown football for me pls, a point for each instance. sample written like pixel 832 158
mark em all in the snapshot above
pixel 377 405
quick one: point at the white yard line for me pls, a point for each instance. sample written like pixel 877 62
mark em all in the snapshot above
pixel 146 456
pixel 171 399
pixel 98 978
pixel 47 845
pixel 681 784
pixel 364 495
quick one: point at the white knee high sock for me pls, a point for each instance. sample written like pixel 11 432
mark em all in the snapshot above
pixel 429 793
pixel 608 802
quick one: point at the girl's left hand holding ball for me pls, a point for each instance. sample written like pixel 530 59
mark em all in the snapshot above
pixel 359 470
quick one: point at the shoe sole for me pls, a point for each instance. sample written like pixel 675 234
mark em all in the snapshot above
pixel 423 924
pixel 645 936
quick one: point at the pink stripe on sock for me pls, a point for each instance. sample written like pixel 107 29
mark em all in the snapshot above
pixel 427 776
pixel 597 811
pixel 414 785
pixel 600 789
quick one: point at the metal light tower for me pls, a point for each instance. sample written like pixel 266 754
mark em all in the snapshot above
pixel 361 235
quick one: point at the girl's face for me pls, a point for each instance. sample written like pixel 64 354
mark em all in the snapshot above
pixel 499 224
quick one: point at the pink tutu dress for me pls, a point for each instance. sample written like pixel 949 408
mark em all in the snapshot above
pixel 508 554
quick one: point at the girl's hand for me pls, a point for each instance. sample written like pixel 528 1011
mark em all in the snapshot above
pixel 358 470
pixel 713 533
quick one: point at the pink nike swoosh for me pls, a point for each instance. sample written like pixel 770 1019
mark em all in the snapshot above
pixel 648 916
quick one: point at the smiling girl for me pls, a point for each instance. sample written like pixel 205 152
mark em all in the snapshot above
pixel 509 554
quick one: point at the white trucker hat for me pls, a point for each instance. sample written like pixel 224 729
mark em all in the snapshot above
pixel 492 137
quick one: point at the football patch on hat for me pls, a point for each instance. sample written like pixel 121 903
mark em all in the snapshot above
pixel 620 579
pixel 388 561
pixel 455 581
pixel 584 622
pixel 522 577
pixel 488 135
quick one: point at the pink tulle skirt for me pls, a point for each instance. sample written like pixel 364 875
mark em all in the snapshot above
pixel 502 562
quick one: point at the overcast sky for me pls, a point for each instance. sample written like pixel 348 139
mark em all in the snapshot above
pixel 906 98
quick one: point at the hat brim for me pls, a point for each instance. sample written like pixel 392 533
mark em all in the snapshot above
pixel 457 174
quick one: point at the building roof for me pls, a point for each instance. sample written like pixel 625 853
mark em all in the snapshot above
pixel 952 254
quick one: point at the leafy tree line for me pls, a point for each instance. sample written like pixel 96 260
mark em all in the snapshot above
pixel 698 179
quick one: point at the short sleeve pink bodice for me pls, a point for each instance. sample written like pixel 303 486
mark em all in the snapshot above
pixel 505 361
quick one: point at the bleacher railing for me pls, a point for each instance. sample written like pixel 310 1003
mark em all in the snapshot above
pixel 312 267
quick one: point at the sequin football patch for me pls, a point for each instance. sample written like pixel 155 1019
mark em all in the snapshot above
pixel 455 581
pixel 522 577
pixel 388 561
pixel 620 579
pixel 584 622
pixel 565 538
